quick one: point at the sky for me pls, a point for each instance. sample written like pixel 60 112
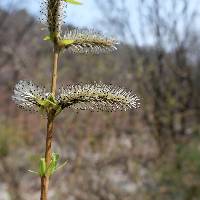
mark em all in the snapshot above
pixel 87 15
pixel 84 15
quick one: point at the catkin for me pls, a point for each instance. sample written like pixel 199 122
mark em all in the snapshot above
pixel 97 97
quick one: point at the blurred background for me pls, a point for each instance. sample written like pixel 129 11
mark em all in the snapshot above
pixel 149 154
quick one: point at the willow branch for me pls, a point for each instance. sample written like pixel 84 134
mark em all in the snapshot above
pixel 50 120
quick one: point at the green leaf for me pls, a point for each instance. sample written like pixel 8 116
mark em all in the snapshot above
pixel 53 164
pixel 45 103
pixel 66 42
pixel 73 2
pixel 51 168
pixel 42 167
pixel 52 99
pixel 47 38
pixel 55 158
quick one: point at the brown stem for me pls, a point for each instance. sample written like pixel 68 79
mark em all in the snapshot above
pixel 54 70
pixel 50 119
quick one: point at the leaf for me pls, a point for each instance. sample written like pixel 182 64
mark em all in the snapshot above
pixel 47 38
pixel 73 2
pixel 44 102
pixel 51 168
pixel 66 42
pixel 53 164
pixel 42 167
pixel 52 99
pixel 55 158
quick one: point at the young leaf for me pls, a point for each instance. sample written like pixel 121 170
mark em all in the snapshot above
pixel 45 103
pixel 65 42
pixel 51 98
pixel 73 2
pixel 42 167
pixel 53 164
pixel 55 158
pixel 47 38
pixel 51 168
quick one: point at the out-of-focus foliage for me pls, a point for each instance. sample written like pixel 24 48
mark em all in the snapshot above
pixel 177 176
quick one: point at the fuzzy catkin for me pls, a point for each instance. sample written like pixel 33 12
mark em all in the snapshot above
pixel 84 40
pixel 94 97
pixel 53 15
pixel 89 41
pixel 97 97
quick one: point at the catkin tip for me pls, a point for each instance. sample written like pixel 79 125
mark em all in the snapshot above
pixel 53 14
pixel 27 95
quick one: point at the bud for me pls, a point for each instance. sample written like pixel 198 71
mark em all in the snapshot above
pixel 42 167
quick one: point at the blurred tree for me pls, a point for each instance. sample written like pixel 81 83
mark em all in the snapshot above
pixel 164 68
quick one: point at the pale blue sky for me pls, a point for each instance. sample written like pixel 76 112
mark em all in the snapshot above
pixel 83 15
pixel 87 14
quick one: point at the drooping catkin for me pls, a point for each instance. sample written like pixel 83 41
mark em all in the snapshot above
pixel 96 97
pixel 89 41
